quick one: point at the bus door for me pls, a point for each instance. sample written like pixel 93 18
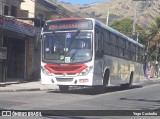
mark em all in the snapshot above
pixel 99 62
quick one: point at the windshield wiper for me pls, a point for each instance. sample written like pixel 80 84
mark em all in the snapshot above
pixel 76 34
pixel 74 54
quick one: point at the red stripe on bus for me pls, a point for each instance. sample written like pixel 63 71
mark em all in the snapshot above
pixel 68 69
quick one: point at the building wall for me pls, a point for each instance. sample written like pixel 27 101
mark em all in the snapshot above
pixel 34 9
pixel 9 3
pixel 30 58
pixel 29 6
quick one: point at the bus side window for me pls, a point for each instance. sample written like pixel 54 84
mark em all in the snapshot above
pixel 107 48
pixel 137 54
pixel 133 52
pixel 126 53
pixel 121 44
pixel 96 40
pixel 141 55
pixel 114 43
pixel 100 42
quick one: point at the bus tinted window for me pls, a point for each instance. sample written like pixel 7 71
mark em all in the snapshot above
pixel 113 39
pixel 107 47
pixel 121 42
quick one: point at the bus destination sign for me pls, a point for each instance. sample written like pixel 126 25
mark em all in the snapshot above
pixel 70 24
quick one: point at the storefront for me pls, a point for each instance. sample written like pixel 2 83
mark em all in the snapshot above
pixel 17 38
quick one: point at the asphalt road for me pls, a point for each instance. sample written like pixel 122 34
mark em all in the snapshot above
pixel 141 97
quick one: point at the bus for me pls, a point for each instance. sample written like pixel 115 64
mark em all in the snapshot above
pixel 86 52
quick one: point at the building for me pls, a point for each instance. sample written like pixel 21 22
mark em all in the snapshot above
pixel 38 11
pixel 15 40
pixel 18 36
pixel 20 23
pixel 41 9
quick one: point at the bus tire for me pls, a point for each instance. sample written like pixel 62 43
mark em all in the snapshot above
pixel 63 88
pixel 128 85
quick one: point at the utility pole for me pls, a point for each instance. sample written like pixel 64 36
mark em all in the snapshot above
pixel 134 34
pixel 107 18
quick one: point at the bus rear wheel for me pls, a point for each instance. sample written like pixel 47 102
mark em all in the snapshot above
pixel 63 88
pixel 128 85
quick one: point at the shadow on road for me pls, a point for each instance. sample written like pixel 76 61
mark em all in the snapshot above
pixel 157 102
pixel 95 91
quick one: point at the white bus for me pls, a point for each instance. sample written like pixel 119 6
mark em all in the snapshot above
pixel 86 52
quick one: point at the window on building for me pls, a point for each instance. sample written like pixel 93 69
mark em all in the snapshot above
pixel 6 10
pixel 13 11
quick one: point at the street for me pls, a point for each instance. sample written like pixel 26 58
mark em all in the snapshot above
pixel 140 97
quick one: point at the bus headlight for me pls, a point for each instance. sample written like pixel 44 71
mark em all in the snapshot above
pixel 86 71
pixel 46 72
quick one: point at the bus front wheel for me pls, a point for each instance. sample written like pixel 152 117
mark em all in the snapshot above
pixel 63 88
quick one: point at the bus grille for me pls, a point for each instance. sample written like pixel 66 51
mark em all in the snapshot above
pixel 64 79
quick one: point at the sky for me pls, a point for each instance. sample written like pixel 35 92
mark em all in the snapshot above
pixel 82 1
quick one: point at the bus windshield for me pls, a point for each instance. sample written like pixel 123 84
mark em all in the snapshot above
pixel 67 47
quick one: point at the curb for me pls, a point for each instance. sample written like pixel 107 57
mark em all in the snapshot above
pixel 20 90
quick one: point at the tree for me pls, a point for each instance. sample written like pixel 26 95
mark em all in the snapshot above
pixel 154 36
pixel 124 26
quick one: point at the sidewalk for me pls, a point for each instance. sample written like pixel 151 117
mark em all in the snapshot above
pixel 25 86
pixel 37 86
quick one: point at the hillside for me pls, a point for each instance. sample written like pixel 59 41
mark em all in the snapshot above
pixel 118 9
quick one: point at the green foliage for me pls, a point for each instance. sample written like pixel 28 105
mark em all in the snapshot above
pixel 144 35
pixel 154 35
pixel 124 26
pixel 158 22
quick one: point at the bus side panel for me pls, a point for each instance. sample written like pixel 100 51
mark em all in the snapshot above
pixel 112 64
pixel 138 73
pixel 120 70
pixel 98 72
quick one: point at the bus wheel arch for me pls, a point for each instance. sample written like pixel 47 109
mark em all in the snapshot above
pixel 129 84
pixel 106 77
pixel 131 79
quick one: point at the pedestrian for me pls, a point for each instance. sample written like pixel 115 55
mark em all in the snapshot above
pixel 148 70
pixel 156 69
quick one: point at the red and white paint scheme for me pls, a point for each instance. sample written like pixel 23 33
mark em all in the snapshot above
pixel 85 52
